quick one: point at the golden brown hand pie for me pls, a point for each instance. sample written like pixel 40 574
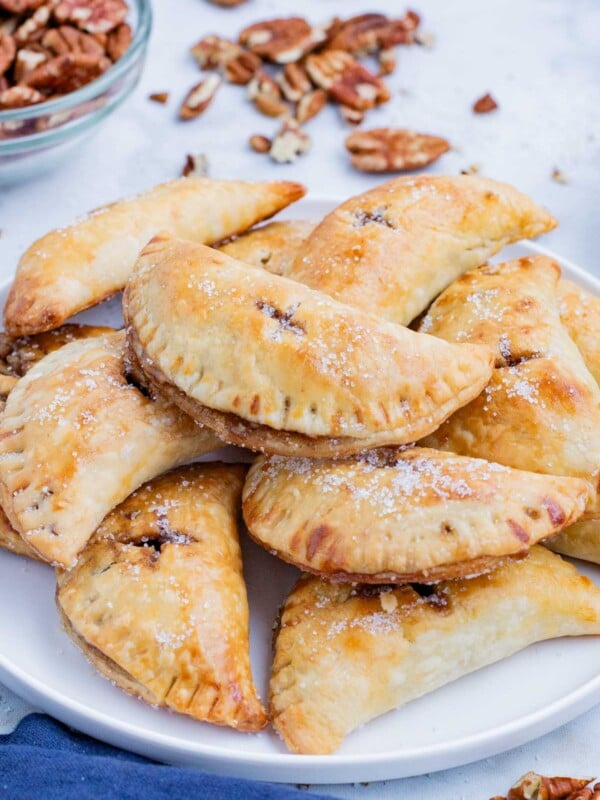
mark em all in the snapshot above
pixel 10 540
pixel 157 600
pixel 345 654
pixel 580 313
pixel 396 516
pixel 77 437
pixel 391 250
pixel 18 355
pixel 76 267
pixel 272 246
pixel 275 366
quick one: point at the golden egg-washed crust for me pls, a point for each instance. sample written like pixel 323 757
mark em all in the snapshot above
pixel 391 250
pixel 18 355
pixel 344 655
pixel 274 353
pixel 157 600
pixel 580 314
pixel 399 516
pixel 73 268
pixel 272 246
pixel 10 540
pixel 77 437
pixel 511 306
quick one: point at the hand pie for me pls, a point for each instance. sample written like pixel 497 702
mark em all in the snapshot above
pixel 580 314
pixel 275 366
pixel 157 600
pixel 18 355
pixel 77 267
pixel 581 540
pixel 397 516
pixel 542 413
pixel 272 246
pixel 76 437
pixel 391 250
pixel 345 654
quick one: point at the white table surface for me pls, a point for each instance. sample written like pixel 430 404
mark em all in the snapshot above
pixel 541 61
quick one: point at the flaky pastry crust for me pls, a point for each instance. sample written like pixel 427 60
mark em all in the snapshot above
pixel 391 250
pixel 346 654
pixel 272 246
pixel 77 437
pixel 267 351
pixel 73 268
pixel 580 314
pixel 157 600
pixel 398 516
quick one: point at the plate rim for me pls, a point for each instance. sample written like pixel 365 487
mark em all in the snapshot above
pixel 334 768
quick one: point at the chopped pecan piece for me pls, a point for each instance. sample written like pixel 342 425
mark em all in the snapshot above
pixel 64 74
pixel 93 16
pixel 260 143
pixel 290 142
pixel 241 69
pixel 214 52
pixel 294 82
pixel 281 40
pixel 310 105
pixel 199 97
pixel 67 39
pixel 393 149
pixel 539 787
pixel 26 61
pixel 19 96
pixel 196 164
pixel 352 116
pixel 8 51
pixel 345 80
pixel 118 41
pixel 387 61
pixel 266 95
pixel 159 97
pixel 485 104
pixel 559 176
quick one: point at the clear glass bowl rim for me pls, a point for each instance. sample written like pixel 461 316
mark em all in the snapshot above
pixel 95 87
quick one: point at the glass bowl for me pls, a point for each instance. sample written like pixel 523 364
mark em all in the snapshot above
pixel 35 138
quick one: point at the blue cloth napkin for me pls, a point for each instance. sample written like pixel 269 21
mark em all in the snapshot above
pixel 44 760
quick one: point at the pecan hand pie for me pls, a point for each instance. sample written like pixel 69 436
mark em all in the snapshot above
pixel 157 600
pixel 391 250
pixel 272 246
pixel 345 654
pixel 580 314
pixel 541 410
pixel 76 437
pixel 397 516
pixel 76 267
pixel 275 366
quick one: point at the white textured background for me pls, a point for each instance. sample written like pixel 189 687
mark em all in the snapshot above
pixel 541 61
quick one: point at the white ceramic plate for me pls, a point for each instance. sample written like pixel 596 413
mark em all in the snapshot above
pixel 480 715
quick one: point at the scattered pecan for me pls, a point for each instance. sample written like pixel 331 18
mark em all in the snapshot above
pixel 241 69
pixel 199 97
pixel 289 142
pixel 345 80
pixel 159 97
pixel 93 16
pixel 8 51
pixel 214 52
pixel 227 3
pixel 294 82
pixel 539 787
pixel 26 61
pixel 485 104
pixel 19 6
pixel 310 105
pixel 196 165
pixel 472 169
pixel 67 39
pixel 352 116
pixel 559 176
pixel 281 40
pixel 118 41
pixel 393 149
pixel 259 143
pixel 367 33
pixel 19 96
pixel 64 74
pixel 266 95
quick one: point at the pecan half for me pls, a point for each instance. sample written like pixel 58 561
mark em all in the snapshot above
pixel 289 143
pixel 93 16
pixel 67 39
pixel 19 96
pixel 294 82
pixel 266 95
pixel 485 104
pixel 64 74
pixel 367 33
pixel 281 40
pixel 199 97
pixel 118 41
pixel 393 149
pixel 346 80
pixel 8 51
pixel 213 52
pixel 241 69
pixel 539 787
pixel 310 105
pixel 259 143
